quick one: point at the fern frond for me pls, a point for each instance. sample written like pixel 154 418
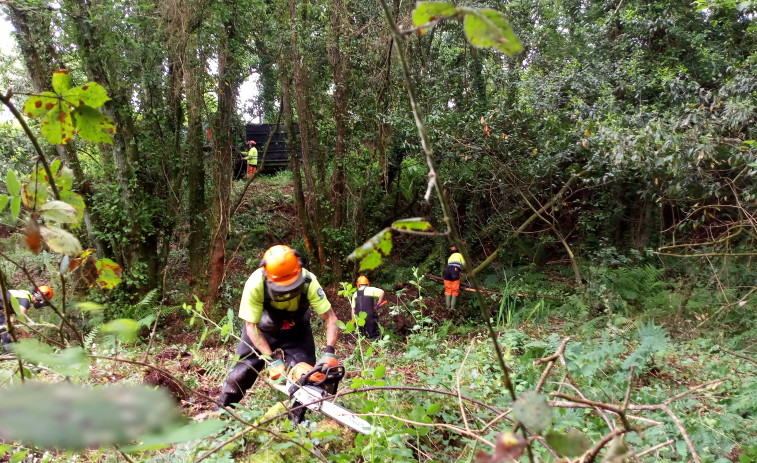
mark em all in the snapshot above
pixel 149 299
pixel 90 337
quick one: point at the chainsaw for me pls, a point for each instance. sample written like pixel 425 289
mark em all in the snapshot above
pixel 315 390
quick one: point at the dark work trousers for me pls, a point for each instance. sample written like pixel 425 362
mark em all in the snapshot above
pixel 298 346
pixel 371 329
pixel 4 330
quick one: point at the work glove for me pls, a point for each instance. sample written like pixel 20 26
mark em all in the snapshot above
pixel 381 304
pixel 327 361
pixel 276 369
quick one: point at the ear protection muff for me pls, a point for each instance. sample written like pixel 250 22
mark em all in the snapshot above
pixel 299 256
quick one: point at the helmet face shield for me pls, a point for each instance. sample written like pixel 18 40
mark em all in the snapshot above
pixel 283 293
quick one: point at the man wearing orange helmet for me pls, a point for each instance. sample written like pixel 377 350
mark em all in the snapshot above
pixel 363 301
pixel 451 277
pixel 252 159
pixel 275 306
pixel 25 299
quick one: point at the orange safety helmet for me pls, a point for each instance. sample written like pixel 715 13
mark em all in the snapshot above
pixel 283 271
pixel 252 142
pixel 47 291
pixel 452 249
pixel 362 280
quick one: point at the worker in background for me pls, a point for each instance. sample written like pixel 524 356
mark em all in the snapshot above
pixel 275 306
pixel 252 159
pixel 451 277
pixel 364 300
pixel 41 296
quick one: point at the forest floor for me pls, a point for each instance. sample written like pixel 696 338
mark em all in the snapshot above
pixel 689 396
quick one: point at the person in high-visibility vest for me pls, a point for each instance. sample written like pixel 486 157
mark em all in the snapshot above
pixel 451 277
pixel 252 159
pixel 25 301
pixel 363 301
pixel 275 307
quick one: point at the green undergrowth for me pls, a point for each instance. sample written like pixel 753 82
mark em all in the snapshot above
pixel 460 360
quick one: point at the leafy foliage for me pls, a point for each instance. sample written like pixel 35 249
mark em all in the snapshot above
pixel 68 416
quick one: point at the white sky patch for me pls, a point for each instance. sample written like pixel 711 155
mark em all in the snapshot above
pixel 7 44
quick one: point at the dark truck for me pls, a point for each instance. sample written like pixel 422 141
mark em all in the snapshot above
pixel 277 156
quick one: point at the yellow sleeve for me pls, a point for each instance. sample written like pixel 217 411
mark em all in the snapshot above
pixel 251 305
pixel 317 297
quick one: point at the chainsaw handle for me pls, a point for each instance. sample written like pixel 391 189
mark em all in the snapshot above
pixel 331 372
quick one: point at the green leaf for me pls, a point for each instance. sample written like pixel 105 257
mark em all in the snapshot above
pixel 489 28
pixel 533 410
pixel 109 273
pixel 426 12
pixel 69 362
pixel 617 451
pixel 15 206
pixel 39 105
pixel 186 433
pixel 61 81
pixel 75 200
pixel 379 372
pixel 125 328
pixel 67 416
pixel 370 245
pixel 18 456
pixel 64 179
pixel 60 240
pixel 34 194
pixel 3 202
pixel 572 443
pixel 4 449
pixel 414 224
pixel 14 184
pixel 58 211
pixel 57 126
pixel 371 261
pixel 93 126
pixel 89 306
pixel 433 409
pixel 91 94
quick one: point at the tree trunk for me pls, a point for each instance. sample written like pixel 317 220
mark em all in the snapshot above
pixel 223 155
pixel 338 187
pixel 286 101
pixel 308 140
pixel 196 207
pixel 124 151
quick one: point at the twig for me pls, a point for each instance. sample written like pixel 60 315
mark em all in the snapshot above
pixel 199 393
pixel 457 381
pixel 736 354
pixel 456 429
pixel 628 391
pixel 551 359
pixel 656 447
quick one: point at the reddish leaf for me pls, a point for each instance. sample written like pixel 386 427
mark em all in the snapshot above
pixel 33 237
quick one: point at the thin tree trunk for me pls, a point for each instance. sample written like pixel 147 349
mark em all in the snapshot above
pixel 308 140
pixel 196 207
pixel 223 155
pixel 286 101
pixel 338 185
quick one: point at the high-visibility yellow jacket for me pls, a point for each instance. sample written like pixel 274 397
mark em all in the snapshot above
pixel 456 258
pixel 252 156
